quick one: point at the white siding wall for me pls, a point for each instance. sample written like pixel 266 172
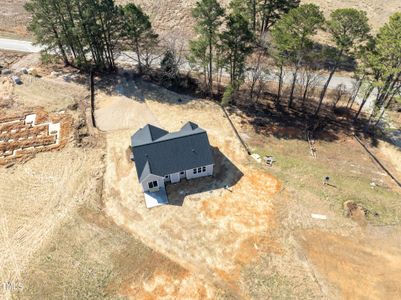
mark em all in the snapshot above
pixel 190 174
pixel 175 177
pixel 150 178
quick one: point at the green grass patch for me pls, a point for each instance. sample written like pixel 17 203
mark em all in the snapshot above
pixel 296 168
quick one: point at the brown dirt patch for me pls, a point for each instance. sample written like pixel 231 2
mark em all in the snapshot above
pixel 163 279
pixel 356 212
pixel 356 266
pixel 393 154
pixel 54 94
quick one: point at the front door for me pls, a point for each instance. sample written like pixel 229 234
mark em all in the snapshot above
pixel 175 177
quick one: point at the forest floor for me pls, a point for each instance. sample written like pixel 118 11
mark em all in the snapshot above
pixel 73 222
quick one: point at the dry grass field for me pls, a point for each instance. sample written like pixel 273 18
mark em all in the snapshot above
pixel 13 19
pixel 174 17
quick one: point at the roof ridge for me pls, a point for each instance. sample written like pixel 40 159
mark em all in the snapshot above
pixel 174 138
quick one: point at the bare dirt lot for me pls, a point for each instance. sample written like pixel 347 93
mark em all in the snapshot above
pixel 52 224
pixel 245 239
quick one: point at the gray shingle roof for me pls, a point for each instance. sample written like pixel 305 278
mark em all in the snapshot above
pixel 161 153
pixel 147 135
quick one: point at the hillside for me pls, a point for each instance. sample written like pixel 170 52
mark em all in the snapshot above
pixel 174 16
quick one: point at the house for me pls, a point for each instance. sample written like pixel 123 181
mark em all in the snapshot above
pixel 161 157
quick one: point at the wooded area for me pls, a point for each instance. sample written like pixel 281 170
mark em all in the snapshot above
pixel 248 41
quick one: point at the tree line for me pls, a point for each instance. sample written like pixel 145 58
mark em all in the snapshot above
pixel 91 33
pixel 245 39
pixel 249 41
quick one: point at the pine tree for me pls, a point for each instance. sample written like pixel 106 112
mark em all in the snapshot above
pixel 138 33
pixel 383 66
pixel 169 68
pixel 46 27
pixel 270 11
pixel 292 37
pixel 349 29
pixel 237 41
pixel 84 33
pixel 209 16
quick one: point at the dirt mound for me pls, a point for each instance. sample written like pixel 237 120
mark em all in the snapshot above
pixel 357 212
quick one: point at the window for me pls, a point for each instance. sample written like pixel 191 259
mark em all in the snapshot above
pixel 204 169
pixel 166 176
pixel 182 173
pixel 152 184
pixel 195 171
pixel 199 170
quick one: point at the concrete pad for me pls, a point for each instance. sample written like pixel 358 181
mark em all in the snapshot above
pixel 30 119
pixel 153 199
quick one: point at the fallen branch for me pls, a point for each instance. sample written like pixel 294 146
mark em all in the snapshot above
pixel 377 160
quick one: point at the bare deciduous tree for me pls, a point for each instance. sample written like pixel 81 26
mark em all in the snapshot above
pixel 339 93
pixel 257 74
pixel 310 78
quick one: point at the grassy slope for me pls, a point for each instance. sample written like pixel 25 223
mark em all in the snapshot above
pixel 349 168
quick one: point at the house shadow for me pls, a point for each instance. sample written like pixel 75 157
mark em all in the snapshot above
pixel 225 175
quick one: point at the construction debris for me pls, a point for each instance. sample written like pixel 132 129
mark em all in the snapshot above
pixel 269 160
pixel 311 142
pixel 256 157
pixel 16 80
pixel 319 217
pixel 24 135
pixel 5 72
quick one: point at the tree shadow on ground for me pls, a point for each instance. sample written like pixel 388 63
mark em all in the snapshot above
pixel 130 84
pixel 266 118
pixel 298 122
pixel 225 175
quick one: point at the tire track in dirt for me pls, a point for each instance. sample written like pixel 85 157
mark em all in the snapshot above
pixel 66 191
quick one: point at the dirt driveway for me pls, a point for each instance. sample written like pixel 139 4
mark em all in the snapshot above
pixel 124 109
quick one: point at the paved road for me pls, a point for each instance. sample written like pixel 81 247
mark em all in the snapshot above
pixel 17 45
